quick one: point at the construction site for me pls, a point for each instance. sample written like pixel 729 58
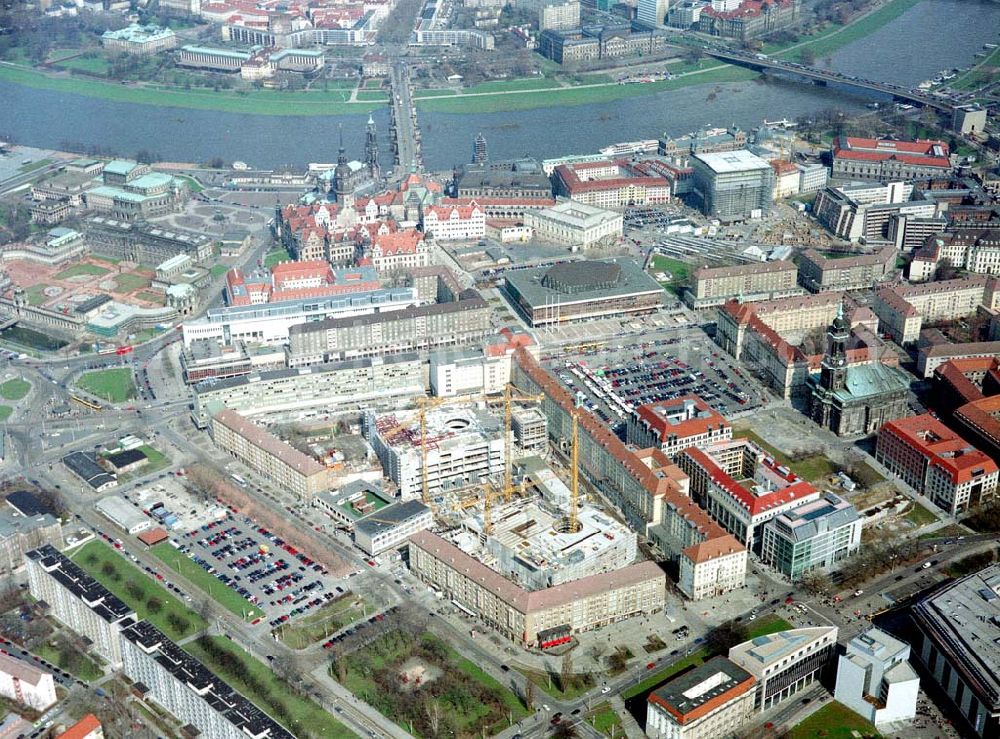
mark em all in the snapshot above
pixel 482 470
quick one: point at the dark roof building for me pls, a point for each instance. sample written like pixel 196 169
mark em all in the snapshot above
pixel 126 460
pixel 84 465
pixel 28 504
pixel 579 290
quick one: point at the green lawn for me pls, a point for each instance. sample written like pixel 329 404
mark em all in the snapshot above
pixel 85 668
pixel 920 516
pixel 157 461
pixel 36 294
pixel 128 282
pixel 530 83
pixel 218 270
pixel 603 717
pixel 833 721
pixel 838 36
pixel 78 270
pixel 329 619
pixel 15 389
pixel 276 256
pixel 677 270
pixel 149 599
pixel 211 586
pixel 258 682
pixel 260 102
pixel 550 684
pixel 5 411
pixel 372 95
pixel 496 103
pixel 113 385
pixel 644 686
pixel 192 183
pixel 434 92
pixel 765 625
pixel 92 65
pixel 32 166
pixel 152 297
pixel 809 468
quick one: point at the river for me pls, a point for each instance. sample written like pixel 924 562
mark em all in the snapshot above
pixel 948 33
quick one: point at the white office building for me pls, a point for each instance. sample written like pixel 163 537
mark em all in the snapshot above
pixel 786 662
pixel 576 224
pixel 653 12
pixel 875 679
pixel 389 527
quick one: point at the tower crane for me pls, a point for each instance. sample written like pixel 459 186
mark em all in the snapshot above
pixel 509 397
pixel 575 478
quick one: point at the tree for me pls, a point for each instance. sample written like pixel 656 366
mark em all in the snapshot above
pixel 694 55
pixel 529 694
pixel 816 582
pixel 726 635
pixel 566 672
pixel 945 270
pixel 807 56
pixel 155 605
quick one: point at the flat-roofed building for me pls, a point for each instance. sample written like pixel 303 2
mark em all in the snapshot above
pixel 574 291
pixel 123 514
pixel 268 455
pixel 786 662
pixel 389 527
pixel 936 462
pixel 468 446
pixel 167 675
pixel 460 322
pixel 733 185
pixel 903 309
pixel 815 535
pixel 674 425
pixel 576 223
pixel 374 381
pixel 875 679
pixel 535 617
pixel 713 700
pixel 958 642
pixel 78 600
pixel 824 273
pixel 763 281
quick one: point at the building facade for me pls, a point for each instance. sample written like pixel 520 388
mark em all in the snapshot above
pixel 819 273
pixel 576 224
pixel 268 455
pixel 25 684
pixel 887 160
pixel 713 700
pixel 786 662
pixel 875 679
pixel 816 535
pixel 675 425
pixel 763 281
pixel 733 186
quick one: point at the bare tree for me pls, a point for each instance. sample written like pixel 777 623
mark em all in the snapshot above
pixel 433 711
pixel 529 694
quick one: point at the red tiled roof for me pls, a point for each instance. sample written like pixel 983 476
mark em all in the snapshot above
pixel 754 504
pixel 82 728
pixel 941 446
pixel 654 414
pixel 401 242
pixel 747 9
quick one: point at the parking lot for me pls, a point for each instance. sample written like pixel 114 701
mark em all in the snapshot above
pixel 615 378
pixel 259 566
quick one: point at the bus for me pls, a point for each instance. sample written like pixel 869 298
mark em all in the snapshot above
pixel 239 480
pixel 86 403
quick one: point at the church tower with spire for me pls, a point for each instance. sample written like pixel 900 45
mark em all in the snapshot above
pixel 833 372
pixel 371 148
pixel 342 173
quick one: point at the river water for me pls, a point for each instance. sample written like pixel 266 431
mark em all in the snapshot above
pixel 932 36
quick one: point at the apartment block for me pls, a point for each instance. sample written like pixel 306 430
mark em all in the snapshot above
pixel 820 273
pixel 935 461
pixel 535 617
pixel 167 675
pixel 79 601
pixel 674 425
pixel 461 322
pixel 25 684
pixel 268 455
pixel 763 281
pixel 712 700
pixel 857 158
pixel 903 309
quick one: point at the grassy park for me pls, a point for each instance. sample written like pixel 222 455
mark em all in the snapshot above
pixel 5 411
pixel 216 590
pixel 15 389
pixel 811 467
pixel 263 687
pixel 149 599
pixel 675 268
pixel 419 682
pixel 276 256
pixel 79 270
pixel 112 385
pixel 67 657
